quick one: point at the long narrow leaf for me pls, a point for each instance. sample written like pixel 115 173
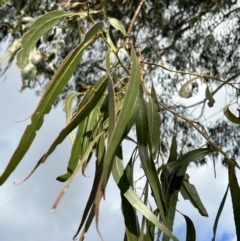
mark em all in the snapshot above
pixel 153 125
pixel 190 232
pixel 130 105
pixel 129 213
pixel 59 80
pixel 68 103
pixel 219 214
pixel 148 165
pixel 76 170
pixel 40 26
pixel 75 154
pixel 189 192
pixel 165 176
pixel 97 178
pixel 111 100
pixel 235 193
pixel 191 156
pixel 131 196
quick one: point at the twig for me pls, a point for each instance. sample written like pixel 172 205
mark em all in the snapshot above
pixel 133 21
pixel 192 123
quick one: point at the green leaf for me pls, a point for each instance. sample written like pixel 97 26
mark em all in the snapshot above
pixel 150 229
pixel 75 153
pixel 84 133
pixel 170 195
pixel 130 105
pixel 172 203
pixel 191 156
pixel 117 25
pixel 235 193
pixel 110 39
pixel 90 203
pixel 219 213
pixel 98 91
pixel 184 92
pixel 56 85
pixel 148 165
pixel 40 26
pixel 209 97
pixel 191 233
pixel 111 100
pixel 129 213
pixel 165 176
pixel 173 150
pixel 68 103
pixel 189 192
pixel 134 200
pixel 154 96
pixel 177 170
pixel 79 166
pixel 153 125
pixel 230 115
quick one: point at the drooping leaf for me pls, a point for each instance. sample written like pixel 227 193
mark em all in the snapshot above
pixel 153 125
pixel 134 200
pixel 209 97
pixel 117 25
pixel 165 175
pixel 93 127
pixel 148 165
pixel 189 192
pixel 230 116
pixel 130 106
pixel 173 150
pixel 110 39
pixel 84 158
pixel 171 210
pixel 219 213
pixel 191 156
pixel 90 203
pixel 235 194
pixel 111 100
pixel 170 195
pixel 190 232
pixel 154 96
pixel 68 103
pixel 129 213
pixel 145 201
pixel 75 154
pixel 184 91
pixel 56 85
pixel 85 134
pixel 87 224
pixel 177 170
pixel 150 229
pixel 125 119
pixel 82 113
pixel 40 26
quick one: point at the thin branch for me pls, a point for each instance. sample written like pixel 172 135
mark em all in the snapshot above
pixel 192 123
pixel 133 21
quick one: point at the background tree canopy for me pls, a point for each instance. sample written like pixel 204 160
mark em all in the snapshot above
pixel 126 49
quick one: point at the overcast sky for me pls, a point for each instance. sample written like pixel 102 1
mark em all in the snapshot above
pixel 25 209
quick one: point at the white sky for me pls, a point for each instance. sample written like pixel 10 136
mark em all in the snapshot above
pixel 25 209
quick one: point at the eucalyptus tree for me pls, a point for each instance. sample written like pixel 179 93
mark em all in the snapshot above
pixel 124 62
